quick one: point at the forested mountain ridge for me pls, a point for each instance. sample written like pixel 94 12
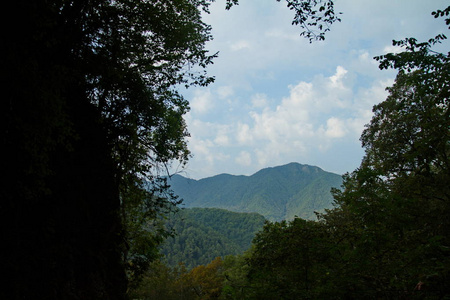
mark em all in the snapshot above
pixel 202 234
pixel 277 193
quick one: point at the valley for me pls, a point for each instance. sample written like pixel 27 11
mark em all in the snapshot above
pixel 222 214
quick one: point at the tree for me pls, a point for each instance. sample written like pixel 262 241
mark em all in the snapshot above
pixel 315 17
pixel 91 118
pixel 162 282
pixel 388 235
pixel 289 261
pixel 91 115
pixel 204 282
pixel 235 272
pixel 398 199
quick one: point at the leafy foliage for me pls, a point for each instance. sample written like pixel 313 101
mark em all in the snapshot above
pixel 315 17
pixel 91 114
pixel 388 235
pixel 202 234
pixel 399 196
pixel 91 110
pixel 288 260
pixel 205 281
pixel 162 282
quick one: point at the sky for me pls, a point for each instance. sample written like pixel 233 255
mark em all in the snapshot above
pixel 278 98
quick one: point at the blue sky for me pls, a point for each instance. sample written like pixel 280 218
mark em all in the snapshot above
pixel 279 99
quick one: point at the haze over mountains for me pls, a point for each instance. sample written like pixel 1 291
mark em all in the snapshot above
pixel 277 193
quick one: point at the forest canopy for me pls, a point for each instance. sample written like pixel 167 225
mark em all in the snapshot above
pixel 388 235
pixel 91 117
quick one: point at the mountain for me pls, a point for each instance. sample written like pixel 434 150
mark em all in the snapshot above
pixel 277 193
pixel 202 234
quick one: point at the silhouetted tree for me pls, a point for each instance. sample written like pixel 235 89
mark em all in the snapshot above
pixel 90 118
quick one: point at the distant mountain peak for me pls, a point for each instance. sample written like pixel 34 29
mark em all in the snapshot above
pixel 279 192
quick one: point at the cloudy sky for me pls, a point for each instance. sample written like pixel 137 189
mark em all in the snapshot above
pixel 279 99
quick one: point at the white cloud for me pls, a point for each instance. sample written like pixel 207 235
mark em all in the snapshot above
pixel 281 99
pixel 198 127
pixel 337 79
pixel 244 158
pixel 259 100
pixel 222 138
pixel 225 91
pixel 392 49
pixel 336 128
pixel 206 156
pixel 312 117
pixel 240 45
pixel 364 56
pixel 202 148
pixel 244 136
pixel 280 34
pixel 201 102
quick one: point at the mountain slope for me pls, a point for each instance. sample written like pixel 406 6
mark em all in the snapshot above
pixel 276 193
pixel 203 234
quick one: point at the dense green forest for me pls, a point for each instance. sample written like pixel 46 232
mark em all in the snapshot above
pixel 92 116
pixel 277 193
pixel 89 110
pixel 202 234
pixel 388 235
